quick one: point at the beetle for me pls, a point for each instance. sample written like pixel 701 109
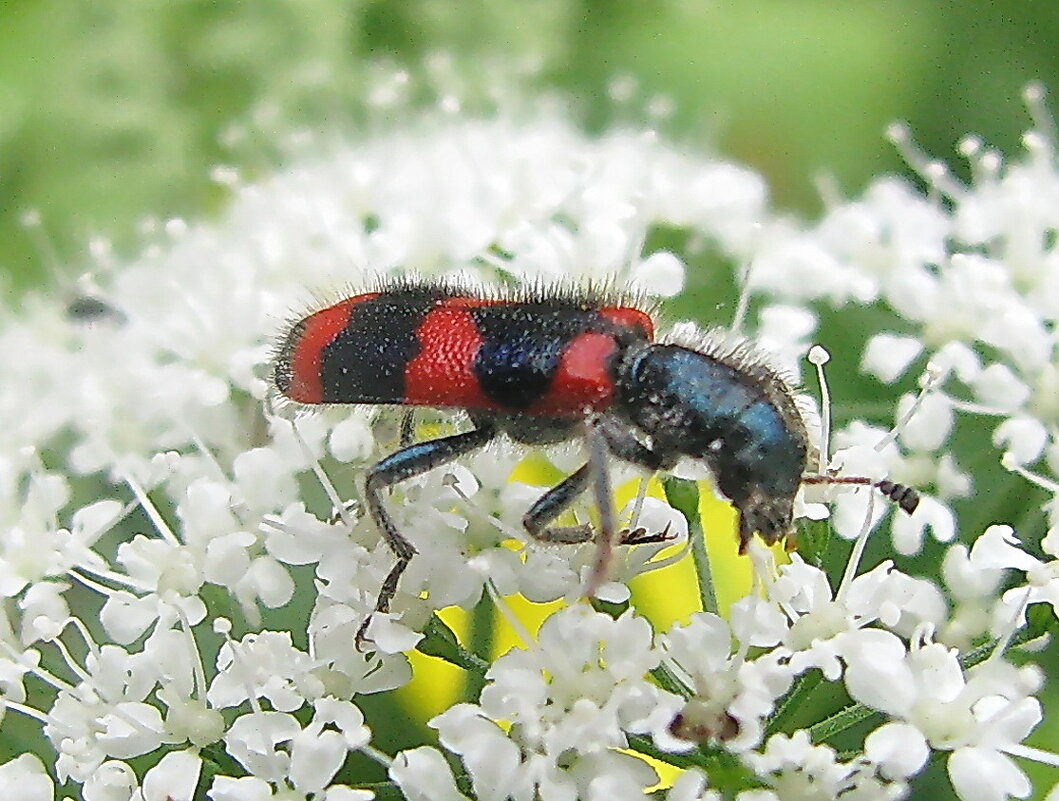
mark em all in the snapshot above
pixel 546 364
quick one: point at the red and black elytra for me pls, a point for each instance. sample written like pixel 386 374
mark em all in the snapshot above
pixel 548 364
pixel 428 346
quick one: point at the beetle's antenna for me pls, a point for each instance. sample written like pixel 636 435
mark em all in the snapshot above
pixel 904 496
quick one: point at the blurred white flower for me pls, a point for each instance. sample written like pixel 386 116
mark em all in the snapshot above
pixel 980 717
pixel 570 699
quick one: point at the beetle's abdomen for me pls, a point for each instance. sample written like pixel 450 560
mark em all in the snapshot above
pixel 429 348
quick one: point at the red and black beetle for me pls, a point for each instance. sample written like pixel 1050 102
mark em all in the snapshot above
pixel 543 365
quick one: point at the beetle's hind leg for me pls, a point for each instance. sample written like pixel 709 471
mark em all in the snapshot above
pixel 406 463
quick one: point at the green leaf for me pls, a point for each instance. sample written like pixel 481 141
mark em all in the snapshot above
pixel 794 700
pixel 440 641
pixel 614 610
pixel 813 538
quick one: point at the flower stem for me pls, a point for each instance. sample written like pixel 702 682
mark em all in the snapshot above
pixel 727 774
pixel 383 790
pixel 644 745
pixel 840 721
pixel 683 495
pixel 217 761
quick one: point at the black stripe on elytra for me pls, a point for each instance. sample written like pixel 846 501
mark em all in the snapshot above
pixel 366 362
pixel 523 345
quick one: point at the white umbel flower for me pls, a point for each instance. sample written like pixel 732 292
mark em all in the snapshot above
pixel 157 506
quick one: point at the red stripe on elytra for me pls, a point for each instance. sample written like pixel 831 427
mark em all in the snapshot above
pixel 443 372
pixel 319 330
pixel 630 318
pixel 583 380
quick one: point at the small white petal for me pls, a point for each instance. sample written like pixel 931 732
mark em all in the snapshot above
pixel 929 426
pixel 315 759
pixel 351 440
pixel 689 786
pixel 958 358
pixel 424 775
pixel 998 548
pixel 265 479
pixel 112 781
pixel 1023 439
pixel 245 788
pixel 253 739
pixel 25 778
pixel 997 386
pixel 271 582
pixel 899 749
pixel 349 719
pixel 877 676
pixel 982 774
pixel 174 778
pixel 132 729
pixel 887 356
pixel 661 274
pixel 908 530
pixel 390 636
pixel 89 522
pixel 340 792
pixel 783 323
pixel 757 622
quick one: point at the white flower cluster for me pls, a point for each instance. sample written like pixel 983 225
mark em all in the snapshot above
pixel 583 690
pixel 188 631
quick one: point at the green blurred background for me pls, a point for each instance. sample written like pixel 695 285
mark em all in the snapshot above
pixel 112 112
